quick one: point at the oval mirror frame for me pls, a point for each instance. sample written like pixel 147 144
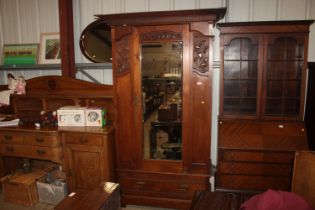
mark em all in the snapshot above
pixel 95 42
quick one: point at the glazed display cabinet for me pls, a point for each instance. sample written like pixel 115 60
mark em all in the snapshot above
pixel 262 99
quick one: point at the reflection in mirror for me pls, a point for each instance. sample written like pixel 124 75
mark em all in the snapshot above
pixel 161 74
pixel 95 42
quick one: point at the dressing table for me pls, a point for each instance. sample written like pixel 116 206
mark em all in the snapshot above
pixel 86 154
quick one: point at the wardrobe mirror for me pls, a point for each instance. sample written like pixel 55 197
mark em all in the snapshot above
pixel 161 75
pixel 95 42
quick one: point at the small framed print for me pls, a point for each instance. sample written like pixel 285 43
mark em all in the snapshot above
pixel 50 51
pixel 15 54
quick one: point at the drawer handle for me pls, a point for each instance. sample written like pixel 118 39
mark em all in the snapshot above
pixel 83 140
pixel 140 184
pixel 7 137
pixel 183 187
pixel 41 152
pixel 39 140
pixel 9 149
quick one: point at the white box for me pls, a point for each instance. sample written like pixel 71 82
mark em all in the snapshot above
pixel 95 117
pixel 71 117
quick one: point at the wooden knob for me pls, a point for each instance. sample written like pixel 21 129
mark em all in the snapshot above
pixel 39 139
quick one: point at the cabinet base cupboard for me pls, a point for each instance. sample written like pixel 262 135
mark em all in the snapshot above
pixel 162 63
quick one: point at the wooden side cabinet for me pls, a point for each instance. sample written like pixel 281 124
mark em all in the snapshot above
pixel 89 157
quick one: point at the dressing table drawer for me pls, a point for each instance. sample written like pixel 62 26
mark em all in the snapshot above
pixel 42 140
pixel 86 139
pixel 11 138
pixel 44 153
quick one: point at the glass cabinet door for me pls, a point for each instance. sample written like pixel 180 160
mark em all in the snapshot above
pixel 240 77
pixel 285 60
pixel 161 84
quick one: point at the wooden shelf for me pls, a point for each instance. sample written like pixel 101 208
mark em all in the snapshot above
pixel 79 66
pixel 30 67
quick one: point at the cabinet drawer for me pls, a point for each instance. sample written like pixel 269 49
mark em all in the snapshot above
pixel 42 140
pixel 159 188
pixel 255 168
pixel 44 153
pixel 11 138
pixel 86 139
pixel 256 156
pixel 242 182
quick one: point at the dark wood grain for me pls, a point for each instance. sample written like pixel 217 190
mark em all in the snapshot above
pixel 105 196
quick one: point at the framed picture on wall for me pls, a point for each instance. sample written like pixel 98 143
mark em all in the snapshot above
pixel 15 54
pixel 50 51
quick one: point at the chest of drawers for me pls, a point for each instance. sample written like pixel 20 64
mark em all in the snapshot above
pixel 257 156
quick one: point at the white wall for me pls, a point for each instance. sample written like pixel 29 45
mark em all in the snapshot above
pixel 22 21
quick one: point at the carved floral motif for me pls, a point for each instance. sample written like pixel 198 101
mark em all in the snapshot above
pixel 200 53
pixel 161 35
pixel 122 56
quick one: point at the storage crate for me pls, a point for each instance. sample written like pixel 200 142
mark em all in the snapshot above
pixel 51 193
pixel 21 188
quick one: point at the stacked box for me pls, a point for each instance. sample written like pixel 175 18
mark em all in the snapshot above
pixel 21 188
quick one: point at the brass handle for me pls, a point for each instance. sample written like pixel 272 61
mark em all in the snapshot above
pixel 7 137
pixel 183 187
pixel 40 152
pixel 83 140
pixel 9 149
pixel 140 184
pixel 39 139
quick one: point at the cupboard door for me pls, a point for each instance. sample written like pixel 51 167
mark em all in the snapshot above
pixel 240 76
pixel 284 75
pixel 85 167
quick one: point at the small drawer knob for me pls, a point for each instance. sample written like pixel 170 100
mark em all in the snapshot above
pixel 39 139
pixel 41 152
pixel 83 140
pixel 9 149
pixel 7 137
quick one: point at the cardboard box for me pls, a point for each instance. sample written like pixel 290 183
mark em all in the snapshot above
pixel 71 117
pixel 21 188
pixel 95 117
pixel 51 193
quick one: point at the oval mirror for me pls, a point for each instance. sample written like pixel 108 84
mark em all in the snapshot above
pixel 95 42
